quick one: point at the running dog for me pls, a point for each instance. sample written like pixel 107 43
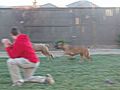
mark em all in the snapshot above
pixel 73 50
pixel 44 49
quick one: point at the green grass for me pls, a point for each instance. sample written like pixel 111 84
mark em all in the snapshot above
pixel 71 75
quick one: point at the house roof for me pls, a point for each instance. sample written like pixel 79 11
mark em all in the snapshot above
pixel 82 3
pixel 48 5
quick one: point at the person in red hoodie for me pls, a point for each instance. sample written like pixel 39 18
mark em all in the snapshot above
pixel 23 56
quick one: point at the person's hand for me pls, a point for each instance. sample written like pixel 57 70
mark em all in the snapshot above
pixel 6 42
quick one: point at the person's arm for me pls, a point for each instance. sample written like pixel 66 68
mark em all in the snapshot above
pixel 6 42
pixel 15 50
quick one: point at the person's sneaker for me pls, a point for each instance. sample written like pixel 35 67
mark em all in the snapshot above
pixel 49 79
pixel 18 83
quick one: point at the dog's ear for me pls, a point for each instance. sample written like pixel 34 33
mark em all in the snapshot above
pixel 60 42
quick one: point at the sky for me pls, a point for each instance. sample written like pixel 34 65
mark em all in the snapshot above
pixel 59 3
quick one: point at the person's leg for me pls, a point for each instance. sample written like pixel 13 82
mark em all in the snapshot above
pixel 29 72
pixel 14 66
pixel 29 69
pixel 29 76
pixel 14 70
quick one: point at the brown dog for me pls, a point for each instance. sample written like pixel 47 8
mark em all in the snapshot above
pixel 74 50
pixel 43 48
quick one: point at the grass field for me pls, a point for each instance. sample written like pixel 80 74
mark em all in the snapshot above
pixel 71 75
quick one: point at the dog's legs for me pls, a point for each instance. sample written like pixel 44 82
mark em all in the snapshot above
pixel 51 56
pixel 87 59
pixel 81 58
pixel 87 56
pixel 71 57
pixel 48 55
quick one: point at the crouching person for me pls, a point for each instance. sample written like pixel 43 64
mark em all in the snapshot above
pixel 22 56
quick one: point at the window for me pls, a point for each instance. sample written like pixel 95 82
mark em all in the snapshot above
pixel 117 10
pixel 109 12
pixel 77 21
pixel 83 29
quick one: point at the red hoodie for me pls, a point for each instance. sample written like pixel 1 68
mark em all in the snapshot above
pixel 22 48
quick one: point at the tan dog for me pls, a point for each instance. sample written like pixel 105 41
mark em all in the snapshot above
pixel 43 48
pixel 74 50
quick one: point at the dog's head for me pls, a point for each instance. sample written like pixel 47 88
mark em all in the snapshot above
pixel 59 45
